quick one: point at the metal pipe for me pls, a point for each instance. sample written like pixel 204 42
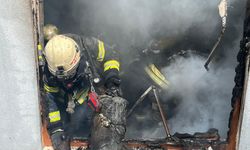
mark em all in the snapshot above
pixel 139 100
pixel 223 13
pixel 162 114
pixel 212 53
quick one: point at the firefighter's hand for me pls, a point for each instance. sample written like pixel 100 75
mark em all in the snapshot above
pixel 113 91
pixel 113 87
pixel 60 141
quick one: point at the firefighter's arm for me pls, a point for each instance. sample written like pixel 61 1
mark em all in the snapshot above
pixel 111 66
pixel 55 127
pixel 108 58
pixel 52 112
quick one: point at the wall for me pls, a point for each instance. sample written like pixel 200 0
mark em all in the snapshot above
pixel 19 117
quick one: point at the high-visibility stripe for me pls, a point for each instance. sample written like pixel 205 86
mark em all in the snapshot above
pixel 81 100
pixel 40 57
pixel 50 89
pixel 54 116
pixel 81 96
pixel 157 76
pixel 111 64
pixel 39 47
pixel 101 51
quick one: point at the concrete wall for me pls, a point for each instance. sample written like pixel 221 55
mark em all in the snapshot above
pixel 19 106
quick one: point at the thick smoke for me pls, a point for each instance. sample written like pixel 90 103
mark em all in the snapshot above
pixel 129 23
pixel 191 24
pixel 205 96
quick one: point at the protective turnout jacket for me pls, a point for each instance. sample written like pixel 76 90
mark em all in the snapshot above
pixel 99 56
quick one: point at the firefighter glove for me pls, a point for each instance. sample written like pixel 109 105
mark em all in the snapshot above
pixel 113 87
pixel 59 140
pixel 114 81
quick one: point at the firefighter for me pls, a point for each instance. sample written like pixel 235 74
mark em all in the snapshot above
pixel 77 69
pixel 49 30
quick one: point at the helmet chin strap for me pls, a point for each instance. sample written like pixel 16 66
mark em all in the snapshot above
pixel 62 75
pixel 60 72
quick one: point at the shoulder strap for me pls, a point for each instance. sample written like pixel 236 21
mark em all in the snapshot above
pixel 91 69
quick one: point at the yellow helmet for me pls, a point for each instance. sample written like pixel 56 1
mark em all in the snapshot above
pixel 49 31
pixel 63 56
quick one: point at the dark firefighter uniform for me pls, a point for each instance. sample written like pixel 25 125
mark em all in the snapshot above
pixel 78 89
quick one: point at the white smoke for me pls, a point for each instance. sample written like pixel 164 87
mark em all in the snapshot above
pixel 204 99
pixel 134 22
pixel 127 21
pixel 205 96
